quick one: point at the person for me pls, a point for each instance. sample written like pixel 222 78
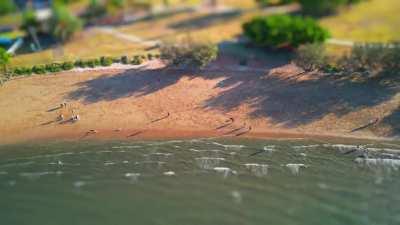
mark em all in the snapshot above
pixel 61 117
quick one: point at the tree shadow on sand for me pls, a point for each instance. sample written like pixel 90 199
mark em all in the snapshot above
pixel 285 99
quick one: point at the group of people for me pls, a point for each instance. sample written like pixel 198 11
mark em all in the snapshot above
pixel 74 117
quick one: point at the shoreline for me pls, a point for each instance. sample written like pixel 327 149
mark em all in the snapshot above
pixel 154 135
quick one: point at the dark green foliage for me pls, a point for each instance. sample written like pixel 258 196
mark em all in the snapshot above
pixel 116 59
pixel 124 59
pixel 189 53
pixel 137 60
pixel 39 69
pixel 67 65
pixel 22 71
pixel 94 11
pixel 29 20
pixel 53 67
pixel 6 7
pixel 63 23
pixel 311 57
pixel 106 61
pixel 324 7
pixel 150 56
pixel 157 56
pixel 4 60
pixel 80 63
pixel 284 31
pixel 269 2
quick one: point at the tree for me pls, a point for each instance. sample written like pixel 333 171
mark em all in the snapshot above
pixel 63 23
pixel 4 59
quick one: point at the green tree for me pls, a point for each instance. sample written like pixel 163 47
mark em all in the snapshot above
pixel 63 23
pixel 7 6
pixel 4 60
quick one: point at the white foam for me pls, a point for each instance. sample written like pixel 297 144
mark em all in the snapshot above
pixel 389 163
pixel 269 148
pixel 208 162
pixel 133 176
pixel 229 146
pixel 79 184
pixel 305 146
pixel 295 167
pixel 169 173
pixel 205 150
pixel 109 163
pixel 257 169
pixel 126 146
pixel 225 171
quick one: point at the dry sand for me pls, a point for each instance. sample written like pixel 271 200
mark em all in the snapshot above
pixel 154 102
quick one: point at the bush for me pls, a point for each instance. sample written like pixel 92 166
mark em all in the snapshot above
pixel 29 20
pixel 324 7
pixel 124 59
pixel 94 11
pixel 106 61
pixel 284 31
pixel 67 66
pixel 6 7
pixel 63 24
pixel 53 67
pixel 374 58
pixel 269 2
pixel 311 57
pixel 150 56
pixel 80 63
pixel 39 69
pixel 189 53
pixel 137 60
pixel 22 71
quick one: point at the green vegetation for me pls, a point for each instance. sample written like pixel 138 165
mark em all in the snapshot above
pixel 284 31
pixel 273 2
pixel 29 21
pixel 189 53
pixel 6 7
pixel 4 60
pixel 68 65
pixel 372 60
pixel 311 57
pixel 369 21
pixel 323 7
pixel 63 23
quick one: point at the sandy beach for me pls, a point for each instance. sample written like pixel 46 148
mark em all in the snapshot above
pixel 153 102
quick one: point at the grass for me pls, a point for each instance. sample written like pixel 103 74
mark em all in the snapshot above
pixel 370 21
pixel 88 45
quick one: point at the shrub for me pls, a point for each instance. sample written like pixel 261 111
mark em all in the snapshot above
pixel 284 31
pixel 4 60
pixel 106 61
pixel 29 20
pixel 80 63
pixel 53 67
pixel 91 63
pixel 150 56
pixel 377 59
pixel 137 60
pixel 324 7
pixel 124 59
pixel 94 10
pixel 67 65
pixel 22 71
pixel 6 7
pixel 269 2
pixel 39 69
pixel 311 57
pixel 63 24
pixel 157 56
pixel 189 53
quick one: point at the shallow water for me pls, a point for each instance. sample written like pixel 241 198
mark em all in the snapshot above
pixel 202 181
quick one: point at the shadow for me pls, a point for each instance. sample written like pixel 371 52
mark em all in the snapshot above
pixel 244 132
pixel 279 92
pixel 135 134
pixel 54 109
pixel 206 20
pixel 47 123
pixel 392 121
pixel 162 118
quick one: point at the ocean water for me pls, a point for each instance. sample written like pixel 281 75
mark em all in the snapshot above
pixel 200 181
